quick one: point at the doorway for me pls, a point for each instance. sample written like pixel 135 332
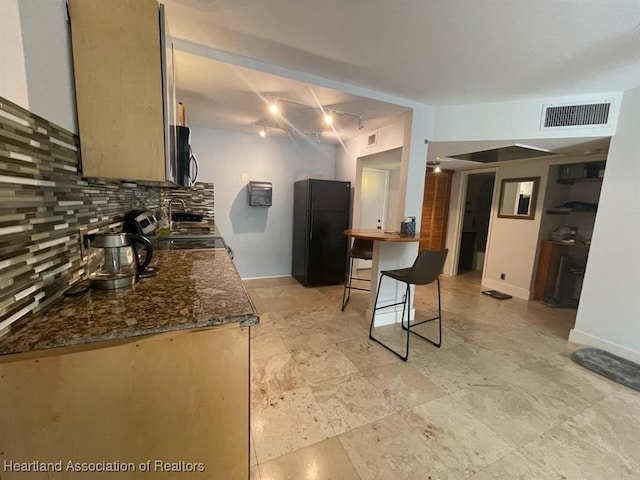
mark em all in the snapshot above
pixel 373 198
pixel 475 224
pixel 374 193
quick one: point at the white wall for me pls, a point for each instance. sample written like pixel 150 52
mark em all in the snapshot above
pixel 518 119
pixel 13 76
pixel 608 313
pixel 513 242
pixel 259 236
pixel 349 168
pixel 47 58
pixel 388 137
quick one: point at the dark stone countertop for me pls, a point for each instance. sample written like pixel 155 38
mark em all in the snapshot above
pixel 193 289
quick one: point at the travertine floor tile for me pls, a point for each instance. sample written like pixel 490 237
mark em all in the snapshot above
pixel 514 466
pixel 391 450
pixel 402 385
pixel 253 459
pixel 321 363
pixel 446 370
pixel 364 353
pixel 564 453
pixel 265 345
pixel 274 374
pixel 350 402
pixel 284 422
pixel 503 379
pixel 459 439
pixel 326 460
pixel 254 473
pixel 509 411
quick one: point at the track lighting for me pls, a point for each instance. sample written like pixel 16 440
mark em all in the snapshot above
pixel 291 131
pixel 328 113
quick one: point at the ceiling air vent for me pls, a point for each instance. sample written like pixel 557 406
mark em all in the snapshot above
pixel 583 115
pixel 372 139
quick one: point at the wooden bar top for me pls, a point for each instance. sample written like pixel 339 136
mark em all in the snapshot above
pixel 379 235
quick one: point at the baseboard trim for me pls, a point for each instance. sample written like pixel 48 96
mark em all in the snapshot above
pixel 517 292
pixel 268 276
pixel 582 338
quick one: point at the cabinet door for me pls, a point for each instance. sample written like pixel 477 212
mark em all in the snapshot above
pixel 117 67
pixel 435 209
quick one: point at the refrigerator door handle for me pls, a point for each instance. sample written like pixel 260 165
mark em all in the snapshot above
pixel 311 227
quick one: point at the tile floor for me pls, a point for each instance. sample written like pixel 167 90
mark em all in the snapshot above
pixel 500 400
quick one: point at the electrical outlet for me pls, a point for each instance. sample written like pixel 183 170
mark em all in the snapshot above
pixel 503 276
pixel 244 177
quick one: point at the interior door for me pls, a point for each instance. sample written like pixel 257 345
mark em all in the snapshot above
pixel 373 203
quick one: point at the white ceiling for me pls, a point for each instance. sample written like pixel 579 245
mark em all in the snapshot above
pixel 433 51
pixel 439 52
pixel 223 96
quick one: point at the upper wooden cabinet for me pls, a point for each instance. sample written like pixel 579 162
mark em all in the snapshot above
pixel 118 75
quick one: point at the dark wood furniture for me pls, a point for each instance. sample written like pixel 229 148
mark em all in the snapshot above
pixel 549 262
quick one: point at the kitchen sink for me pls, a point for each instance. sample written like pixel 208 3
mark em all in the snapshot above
pixel 190 231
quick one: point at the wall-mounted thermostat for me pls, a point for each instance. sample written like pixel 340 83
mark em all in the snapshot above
pixel 260 194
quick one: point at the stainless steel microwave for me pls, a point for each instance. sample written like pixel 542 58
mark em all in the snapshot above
pixel 181 165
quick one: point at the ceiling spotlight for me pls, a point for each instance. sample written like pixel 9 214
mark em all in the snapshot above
pixel 263 132
pixel 274 108
pixel 437 169
pixel 328 119
pixel 360 123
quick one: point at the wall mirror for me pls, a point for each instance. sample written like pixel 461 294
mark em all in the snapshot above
pixel 518 198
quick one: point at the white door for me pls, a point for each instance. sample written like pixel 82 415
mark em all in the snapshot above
pixel 373 202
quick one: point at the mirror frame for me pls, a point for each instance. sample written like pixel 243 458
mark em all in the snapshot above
pixel 532 204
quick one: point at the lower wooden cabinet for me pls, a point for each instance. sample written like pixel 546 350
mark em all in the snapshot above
pixel 174 400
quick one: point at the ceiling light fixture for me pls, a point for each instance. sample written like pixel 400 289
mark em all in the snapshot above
pixel 274 108
pixel 435 166
pixel 326 111
pixel 290 131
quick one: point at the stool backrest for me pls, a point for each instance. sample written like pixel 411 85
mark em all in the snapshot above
pixel 427 267
pixel 362 249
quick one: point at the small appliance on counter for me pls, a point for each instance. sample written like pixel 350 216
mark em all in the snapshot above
pixel 117 259
pixel 141 222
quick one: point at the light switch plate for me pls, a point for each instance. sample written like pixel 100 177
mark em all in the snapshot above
pixel 244 177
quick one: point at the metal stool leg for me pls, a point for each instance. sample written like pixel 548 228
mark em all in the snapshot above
pixel 407 297
pixel 348 283
pixel 346 296
pixel 438 318
pixel 409 328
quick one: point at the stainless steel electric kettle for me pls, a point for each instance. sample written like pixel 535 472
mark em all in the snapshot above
pixel 116 259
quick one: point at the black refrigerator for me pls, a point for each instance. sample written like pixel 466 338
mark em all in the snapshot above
pixel 320 216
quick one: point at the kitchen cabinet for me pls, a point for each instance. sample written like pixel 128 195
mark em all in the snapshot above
pixel 174 397
pixel 119 91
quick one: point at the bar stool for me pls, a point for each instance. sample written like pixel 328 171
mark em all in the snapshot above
pixel 425 270
pixel 362 249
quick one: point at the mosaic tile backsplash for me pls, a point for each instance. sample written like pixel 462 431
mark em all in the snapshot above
pixel 44 201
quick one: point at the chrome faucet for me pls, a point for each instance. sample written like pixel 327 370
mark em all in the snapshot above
pixel 184 208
